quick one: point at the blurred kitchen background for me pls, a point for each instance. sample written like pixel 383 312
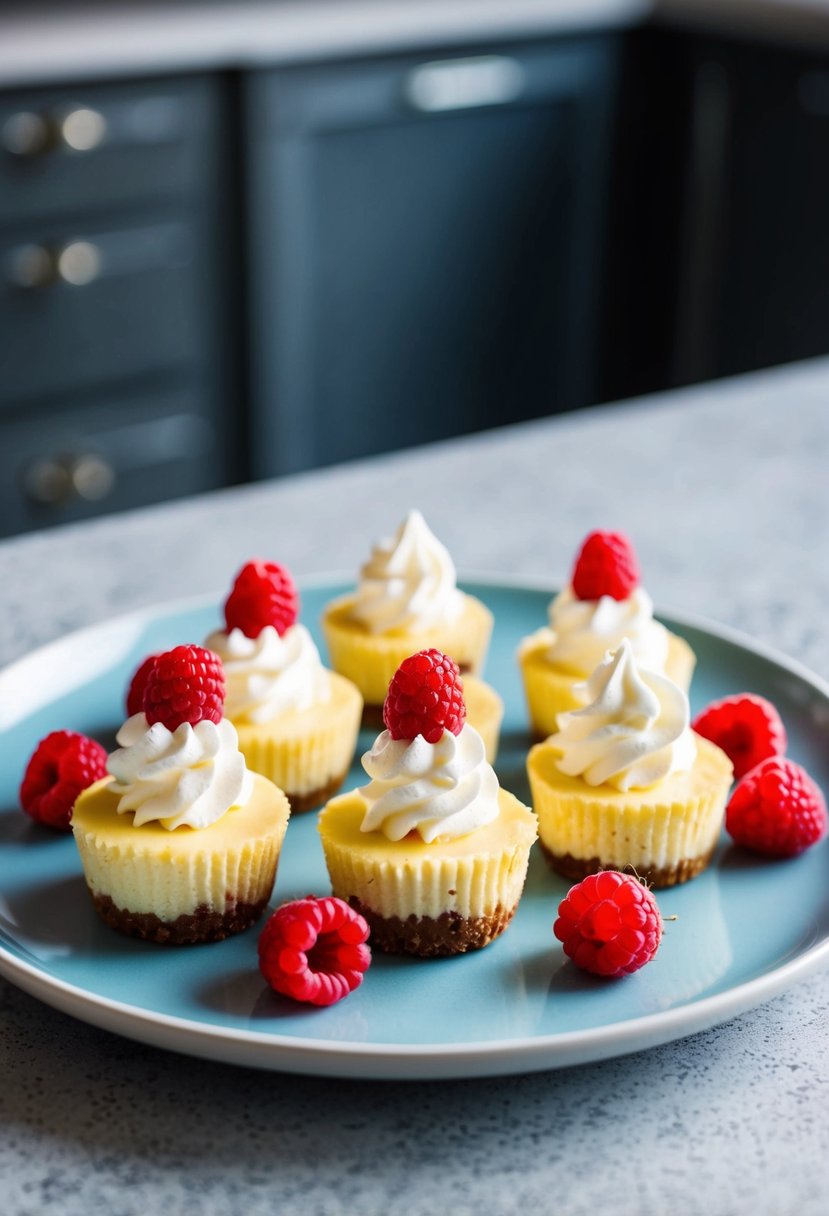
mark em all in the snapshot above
pixel 239 240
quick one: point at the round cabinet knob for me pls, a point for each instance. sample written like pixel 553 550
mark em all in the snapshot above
pixel 82 130
pixel 78 263
pixel 28 133
pixel 47 481
pixel 25 134
pixel 92 477
pixel 56 481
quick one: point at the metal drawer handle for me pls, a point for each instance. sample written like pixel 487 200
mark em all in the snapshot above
pixel 54 481
pixel 75 264
pixel 28 134
pixel 462 84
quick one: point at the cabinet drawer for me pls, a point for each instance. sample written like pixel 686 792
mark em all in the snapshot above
pixel 82 306
pixel 65 150
pixel 126 452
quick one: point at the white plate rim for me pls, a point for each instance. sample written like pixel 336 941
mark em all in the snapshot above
pixel 310 1056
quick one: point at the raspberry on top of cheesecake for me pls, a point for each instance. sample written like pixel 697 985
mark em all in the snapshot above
pixel 431 851
pixel 180 842
pixel 602 604
pixel 297 722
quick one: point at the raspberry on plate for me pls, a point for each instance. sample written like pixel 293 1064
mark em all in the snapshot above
pixel 777 809
pixel 606 565
pixel 264 593
pixel 314 950
pixel 61 767
pixel 186 684
pixel 135 693
pixel 425 698
pixel 609 924
pixel 747 727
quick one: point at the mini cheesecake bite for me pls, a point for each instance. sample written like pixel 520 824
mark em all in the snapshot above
pixel 603 603
pixel 297 722
pixel 431 851
pixel 624 783
pixel 407 600
pixel 179 843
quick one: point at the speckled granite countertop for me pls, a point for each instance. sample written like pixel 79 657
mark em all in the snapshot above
pixel 725 490
pixel 66 41
pixel 57 41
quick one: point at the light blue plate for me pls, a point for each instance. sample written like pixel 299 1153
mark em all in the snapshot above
pixel 744 930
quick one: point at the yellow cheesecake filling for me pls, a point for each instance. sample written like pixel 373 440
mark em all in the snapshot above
pixel 472 875
pixel 549 689
pixel 304 750
pixel 152 870
pixel 654 828
pixel 370 660
pixel 484 711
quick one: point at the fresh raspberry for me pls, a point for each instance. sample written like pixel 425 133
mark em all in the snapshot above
pixel 609 923
pixel 187 684
pixel 135 695
pixel 62 766
pixel 314 950
pixel 747 728
pixel 263 594
pixel 777 809
pixel 425 698
pixel 606 565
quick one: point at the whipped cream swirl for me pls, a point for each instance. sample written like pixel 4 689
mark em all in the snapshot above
pixel 632 733
pixel 269 674
pixel 584 630
pixel 188 777
pixel 408 583
pixel 444 789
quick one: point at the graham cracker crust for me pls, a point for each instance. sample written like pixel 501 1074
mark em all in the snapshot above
pixel 577 868
pixel 307 802
pixel 203 925
pixel 373 716
pixel 432 937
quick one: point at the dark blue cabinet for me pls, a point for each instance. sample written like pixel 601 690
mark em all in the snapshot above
pixel 294 267
pixel 217 277
pixel 116 252
pixel 753 281
pixel 106 146
pixel 115 451
pixel 138 307
pixel 424 245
